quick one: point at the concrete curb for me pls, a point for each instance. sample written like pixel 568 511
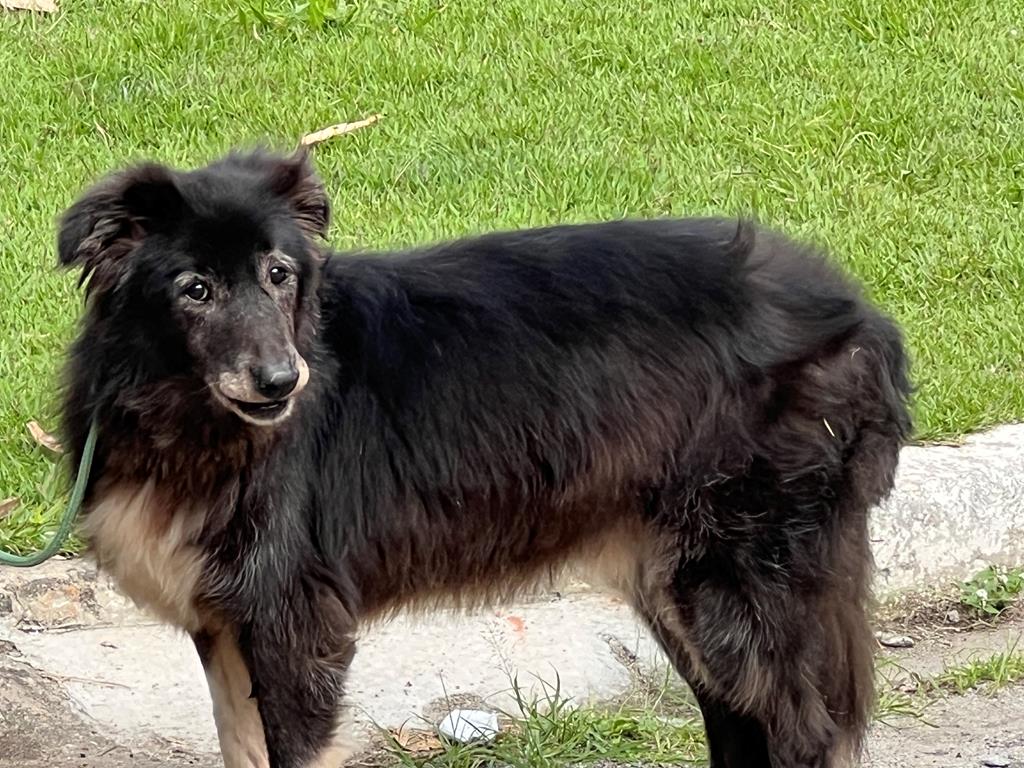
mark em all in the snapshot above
pixel 955 509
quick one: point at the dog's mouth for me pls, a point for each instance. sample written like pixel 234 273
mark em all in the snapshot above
pixel 237 392
pixel 263 412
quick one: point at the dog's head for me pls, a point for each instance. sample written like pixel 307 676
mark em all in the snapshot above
pixel 208 276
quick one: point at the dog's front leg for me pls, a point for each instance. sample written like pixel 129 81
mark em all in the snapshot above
pixel 299 653
pixel 239 725
pixel 281 708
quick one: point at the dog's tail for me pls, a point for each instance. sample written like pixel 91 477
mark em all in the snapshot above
pixel 877 370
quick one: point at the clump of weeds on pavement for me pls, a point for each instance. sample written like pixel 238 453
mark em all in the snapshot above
pixel 992 591
pixel 551 731
pixel 988 674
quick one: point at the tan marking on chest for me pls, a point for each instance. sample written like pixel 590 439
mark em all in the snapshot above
pixel 150 551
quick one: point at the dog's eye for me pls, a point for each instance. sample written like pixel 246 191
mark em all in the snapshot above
pixel 278 275
pixel 197 291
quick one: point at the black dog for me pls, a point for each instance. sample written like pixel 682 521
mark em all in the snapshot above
pixel 291 443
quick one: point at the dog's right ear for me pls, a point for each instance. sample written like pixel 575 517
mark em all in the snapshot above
pixel 99 232
pixel 294 179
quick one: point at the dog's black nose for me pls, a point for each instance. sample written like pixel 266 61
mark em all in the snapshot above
pixel 276 380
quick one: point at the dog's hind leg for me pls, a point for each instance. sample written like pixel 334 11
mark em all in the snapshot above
pixel 777 652
pixel 783 661
pixel 640 562
pixel 761 708
pixel 734 739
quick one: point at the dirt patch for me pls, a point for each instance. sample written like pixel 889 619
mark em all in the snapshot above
pixel 953 732
pixel 935 649
pixel 40 729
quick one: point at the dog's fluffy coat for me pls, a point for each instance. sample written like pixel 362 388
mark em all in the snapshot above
pixel 705 411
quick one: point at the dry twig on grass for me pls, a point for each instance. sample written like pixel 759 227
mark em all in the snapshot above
pixel 36 6
pixel 318 137
pixel 43 438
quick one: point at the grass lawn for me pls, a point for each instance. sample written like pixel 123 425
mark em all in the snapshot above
pixel 890 130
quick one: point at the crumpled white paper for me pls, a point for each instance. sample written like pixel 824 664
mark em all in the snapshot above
pixel 467 726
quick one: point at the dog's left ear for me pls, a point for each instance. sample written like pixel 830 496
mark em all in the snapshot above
pixel 294 179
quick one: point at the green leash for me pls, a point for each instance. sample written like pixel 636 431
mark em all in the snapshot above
pixel 67 520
